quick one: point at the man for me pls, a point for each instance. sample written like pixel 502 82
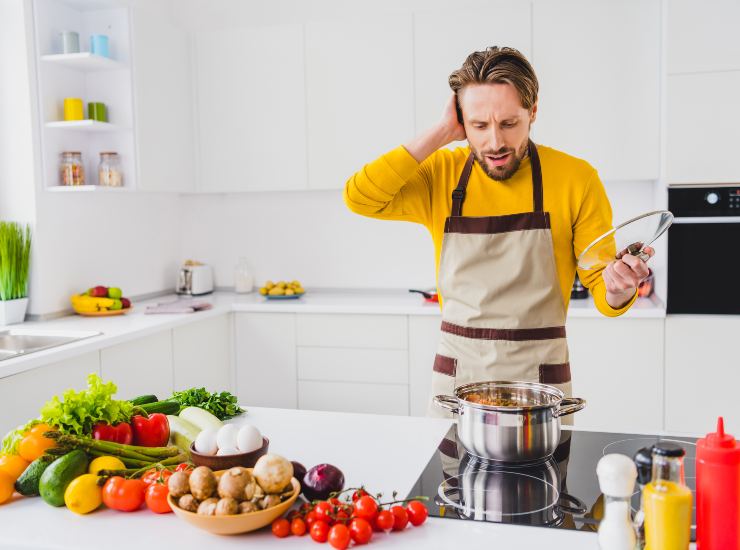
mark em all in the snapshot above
pixel 508 220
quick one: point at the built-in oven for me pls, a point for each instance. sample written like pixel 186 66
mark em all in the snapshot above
pixel 704 250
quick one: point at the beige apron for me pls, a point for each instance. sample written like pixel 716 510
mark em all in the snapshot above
pixel 503 316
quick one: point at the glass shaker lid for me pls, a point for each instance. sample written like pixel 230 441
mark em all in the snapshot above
pixel 630 237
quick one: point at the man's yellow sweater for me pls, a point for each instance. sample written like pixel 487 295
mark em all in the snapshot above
pixel 397 187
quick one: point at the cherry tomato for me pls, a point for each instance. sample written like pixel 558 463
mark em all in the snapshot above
pixel 358 493
pixel 360 531
pixel 281 528
pixel 122 494
pixel 384 520
pixel 339 536
pixel 417 512
pixel 341 516
pixel 324 511
pixel 320 531
pixel 298 527
pixel 305 508
pixel 366 507
pixel 335 501
pixel 156 498
pixel 156 476
pixel 183 467
pixel 400 518
pixel 310 518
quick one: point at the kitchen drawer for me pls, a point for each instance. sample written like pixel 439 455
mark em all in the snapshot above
pixel 350 397
pixel 352 331
pixel 388 366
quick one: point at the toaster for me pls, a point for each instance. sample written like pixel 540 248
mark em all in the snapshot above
pixel 194 279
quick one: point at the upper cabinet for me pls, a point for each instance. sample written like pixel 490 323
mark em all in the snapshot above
pixel 598 64
pixel 251 109
pixel 359 94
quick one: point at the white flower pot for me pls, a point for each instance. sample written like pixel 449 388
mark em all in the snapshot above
pixel 13 311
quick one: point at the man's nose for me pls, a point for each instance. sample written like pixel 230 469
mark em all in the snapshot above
pixel 494 139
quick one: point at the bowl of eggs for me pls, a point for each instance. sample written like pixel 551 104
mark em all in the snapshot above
pixel 229 446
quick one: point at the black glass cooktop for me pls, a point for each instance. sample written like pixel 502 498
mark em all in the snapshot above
pixel 562 492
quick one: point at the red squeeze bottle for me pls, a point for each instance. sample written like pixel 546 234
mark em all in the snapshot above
pixel 718 491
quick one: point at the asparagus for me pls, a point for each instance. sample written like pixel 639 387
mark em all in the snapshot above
pixel 130 452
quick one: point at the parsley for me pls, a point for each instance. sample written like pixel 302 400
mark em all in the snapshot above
pixel 222 405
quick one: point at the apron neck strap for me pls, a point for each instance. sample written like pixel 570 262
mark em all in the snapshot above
pixel 458 195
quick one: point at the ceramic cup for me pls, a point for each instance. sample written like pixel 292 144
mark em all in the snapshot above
pixel 99 44
pixel 70 42
pixel 73 109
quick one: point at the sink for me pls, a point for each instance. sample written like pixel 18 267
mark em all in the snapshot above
pixel 17 342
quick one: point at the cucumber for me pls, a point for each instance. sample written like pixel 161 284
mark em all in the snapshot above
pixel 59 474
pixel 143 399
pixel 28 483
pixel 182 432
pixel 165 407
pixel 200 418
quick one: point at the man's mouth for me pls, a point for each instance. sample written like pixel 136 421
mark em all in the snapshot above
pixel 499 160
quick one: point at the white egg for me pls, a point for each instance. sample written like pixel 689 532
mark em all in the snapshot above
pixel 248 439
pixel 227 451
pixel 205 442
pixel 226 436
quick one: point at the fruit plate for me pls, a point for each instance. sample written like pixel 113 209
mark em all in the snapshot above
pixel 109 313
pixel 293 297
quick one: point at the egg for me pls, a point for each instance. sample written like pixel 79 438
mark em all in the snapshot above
pixel 226 436
pixel 205 442
pixel 248 439
pixel 227 451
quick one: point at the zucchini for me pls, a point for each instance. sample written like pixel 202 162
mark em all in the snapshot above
pixel 143 399
pixel 182 432
pixel 28 483
pixel 59 474
pixel 200 418
pixel 165 407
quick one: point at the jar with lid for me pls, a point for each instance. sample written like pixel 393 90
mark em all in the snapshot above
pixel 109 170
pixel 71 170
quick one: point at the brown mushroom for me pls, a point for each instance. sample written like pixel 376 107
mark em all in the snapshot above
pixel 188 502
pixel 227 507
pixel 178 484
pixel 233 483
pixel 208 507
pixel 202 483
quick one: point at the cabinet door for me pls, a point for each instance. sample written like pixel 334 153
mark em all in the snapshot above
pixel 164 99
pixel 140 366
pixel 423 339
pixel 202 354
pixel 359 93
pixel 356 398
pixel 23 394
pixel 440 48
pixel 598 64
pixel 617 367
pixel 266 359
pixel 701 372
pixel 251 109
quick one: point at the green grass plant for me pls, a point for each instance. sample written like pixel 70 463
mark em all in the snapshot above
pixel 15 255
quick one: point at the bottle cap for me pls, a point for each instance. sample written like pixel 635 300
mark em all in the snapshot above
pixel 662 448
pixel 617 474
pixel 718 447
pixel 720 438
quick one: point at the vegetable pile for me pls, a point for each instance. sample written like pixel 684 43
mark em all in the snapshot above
pixel 222 405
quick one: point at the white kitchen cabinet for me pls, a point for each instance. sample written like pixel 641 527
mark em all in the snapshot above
pixel 440 48
pixel 353 365
pixel 423 340
pixel 202 354
pixel 266 359
pixel 22 395
pixel 140 366
pixel 617 367
pixel 702 134
pixel 701 373
pixel 164 98
pixel 352 331
pixel 251 109
pixel 598 65
pixel 359 94
pixel 354 397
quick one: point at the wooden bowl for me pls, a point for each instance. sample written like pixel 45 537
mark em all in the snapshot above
pixel 246 460
pixel 239 523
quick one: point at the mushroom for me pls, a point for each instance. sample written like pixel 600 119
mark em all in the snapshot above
pixel 178 484
pixel 208 507
pixel 273 473
pixel 233 483
pixel 202 483
pixel 227 507
pixel 247 507
pixel 188 502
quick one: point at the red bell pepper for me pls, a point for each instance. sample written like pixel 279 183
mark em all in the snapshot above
pixel 151 432
pixel 119 433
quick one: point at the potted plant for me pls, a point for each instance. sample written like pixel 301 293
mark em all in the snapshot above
pixel 15 254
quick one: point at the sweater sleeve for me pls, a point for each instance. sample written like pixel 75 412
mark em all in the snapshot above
pixel 392 187
pixel 594 219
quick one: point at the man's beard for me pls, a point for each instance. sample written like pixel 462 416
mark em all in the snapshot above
pixel 500 173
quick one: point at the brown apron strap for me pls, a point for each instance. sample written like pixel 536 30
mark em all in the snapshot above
pixel 458 195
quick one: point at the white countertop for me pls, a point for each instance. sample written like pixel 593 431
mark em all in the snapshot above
pixel 136 324
pixel 385 453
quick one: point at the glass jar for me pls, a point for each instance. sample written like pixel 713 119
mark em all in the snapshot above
pixel 109 170
pixel 71 170
pixel 243 278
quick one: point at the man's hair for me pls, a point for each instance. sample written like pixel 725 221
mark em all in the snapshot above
pixel 498 65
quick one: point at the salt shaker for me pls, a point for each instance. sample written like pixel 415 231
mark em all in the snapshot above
pixel 617 474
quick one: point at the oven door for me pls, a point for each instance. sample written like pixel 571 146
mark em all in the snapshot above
pixel 704 266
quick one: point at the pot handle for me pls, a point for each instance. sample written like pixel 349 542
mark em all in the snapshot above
pixel 448 402
pixel 569 405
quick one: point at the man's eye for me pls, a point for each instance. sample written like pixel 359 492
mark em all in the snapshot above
pixel 508 124
pixel 479 126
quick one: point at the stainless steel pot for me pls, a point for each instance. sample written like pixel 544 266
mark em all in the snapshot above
pixel 526 429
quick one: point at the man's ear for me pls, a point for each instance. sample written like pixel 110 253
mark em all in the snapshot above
pixel 533 114
pixel 457 108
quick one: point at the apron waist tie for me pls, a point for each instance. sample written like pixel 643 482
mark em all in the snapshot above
pixel 516 334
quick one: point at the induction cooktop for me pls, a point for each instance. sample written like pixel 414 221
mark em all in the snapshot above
pixel 562 492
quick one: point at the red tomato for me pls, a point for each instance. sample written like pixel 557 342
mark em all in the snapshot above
pixel 281 528
pixel 418 513
pixel 360 531
pixel 156 476
pixel 400 517
pixel 384 521
pixel 298 527
pixel 122 494
pixel 320 531
pixel 339 537
pixel 156 498
pixel 358 493
pixel 310 518
pixel 183 467
pixel 366 507
pixel 324 511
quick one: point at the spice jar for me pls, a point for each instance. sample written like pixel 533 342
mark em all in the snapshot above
pixel 71 170
pixel 109 170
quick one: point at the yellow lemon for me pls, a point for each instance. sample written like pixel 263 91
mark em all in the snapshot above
pixel 84 495
pixel 105 463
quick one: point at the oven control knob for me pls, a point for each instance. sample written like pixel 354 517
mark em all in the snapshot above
pixel 712 197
